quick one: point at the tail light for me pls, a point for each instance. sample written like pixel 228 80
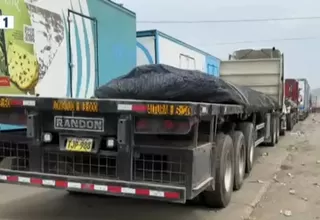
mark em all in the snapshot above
pixel 163 126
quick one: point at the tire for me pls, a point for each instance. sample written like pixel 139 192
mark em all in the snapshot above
pixel 289 122
pixel 273 132
pixel 278 130
pixel 250 134
pixel 224 178
pixel 239 147
pixel 282 131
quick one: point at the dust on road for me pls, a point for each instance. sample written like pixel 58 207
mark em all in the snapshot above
pixel 294 194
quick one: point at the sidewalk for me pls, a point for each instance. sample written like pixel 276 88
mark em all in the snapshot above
pixel 295 191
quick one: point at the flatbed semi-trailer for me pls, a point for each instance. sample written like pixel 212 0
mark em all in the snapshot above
pixel 172 151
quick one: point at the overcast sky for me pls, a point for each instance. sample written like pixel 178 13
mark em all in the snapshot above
pixel 302 58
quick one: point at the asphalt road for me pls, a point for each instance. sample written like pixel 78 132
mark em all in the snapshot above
pixel 28 203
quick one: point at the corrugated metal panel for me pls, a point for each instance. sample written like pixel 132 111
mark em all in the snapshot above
pixel 263 75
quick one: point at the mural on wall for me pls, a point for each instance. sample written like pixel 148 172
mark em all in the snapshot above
pixel 53 49
pixel 50 34
pixel 22 62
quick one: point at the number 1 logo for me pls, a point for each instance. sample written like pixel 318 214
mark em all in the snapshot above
pixel 6 22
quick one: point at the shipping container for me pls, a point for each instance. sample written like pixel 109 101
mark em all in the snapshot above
pixel 292 90
pixel 155 47
pixel 65 48
pixel 304 98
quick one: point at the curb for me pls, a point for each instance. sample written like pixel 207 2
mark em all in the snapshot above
pixel 264 188
pixel 250 208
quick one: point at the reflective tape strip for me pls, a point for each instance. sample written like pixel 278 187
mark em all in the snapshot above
pixel 128 190
pixel 29 103
pixel 23 179
pixel 91 187
pixel 48 182
pixel 156 193
pixel 124 107
pixel 100 188
pixel 74 185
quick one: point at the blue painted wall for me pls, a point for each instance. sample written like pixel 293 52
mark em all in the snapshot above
pixel 116 39
pixel 213 65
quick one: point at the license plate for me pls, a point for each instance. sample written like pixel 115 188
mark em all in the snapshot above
pixel 79 144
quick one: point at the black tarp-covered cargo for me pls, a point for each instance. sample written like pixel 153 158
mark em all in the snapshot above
pixel 163 82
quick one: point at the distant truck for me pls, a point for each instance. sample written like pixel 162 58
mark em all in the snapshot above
pixel 292 102
pixel 304 99
pixel 261 70
pixel 292 90
pixel 155 47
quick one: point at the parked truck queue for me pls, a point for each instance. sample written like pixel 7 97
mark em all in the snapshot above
pixel 56 134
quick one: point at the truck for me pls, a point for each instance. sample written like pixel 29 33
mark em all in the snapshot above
pixel 263 71
pixel 304 98
pixel 149 149
pixel 155 47
pixel 70 48
pixel 292 102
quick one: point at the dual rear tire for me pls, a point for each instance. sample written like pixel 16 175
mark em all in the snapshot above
pixel 219 195
pixel 234 158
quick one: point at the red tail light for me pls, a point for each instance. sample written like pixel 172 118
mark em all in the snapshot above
pixel 162 126
pixel 142 124
pixel 16 102
pixel 168 124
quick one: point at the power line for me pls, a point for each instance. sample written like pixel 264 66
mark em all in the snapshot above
pixel 269 40
pixel 227 21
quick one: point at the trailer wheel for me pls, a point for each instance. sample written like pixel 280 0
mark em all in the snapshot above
pixel 250 134
pixel 239 159
pixel 273 132
pixel 289 122
pixel 282 131
pixel 224 178
pixel 278 130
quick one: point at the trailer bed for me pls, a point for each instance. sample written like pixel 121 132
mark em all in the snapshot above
pixel 169 108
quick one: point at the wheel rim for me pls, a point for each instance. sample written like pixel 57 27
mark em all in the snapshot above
pixel 242 161
pixel 228 173
pixel 251 153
